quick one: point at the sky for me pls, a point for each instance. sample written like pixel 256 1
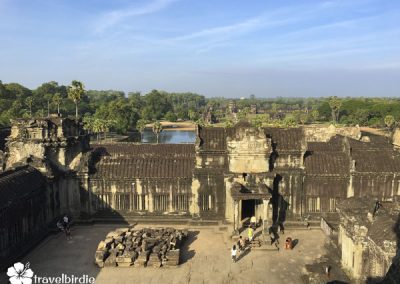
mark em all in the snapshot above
pixel 229 48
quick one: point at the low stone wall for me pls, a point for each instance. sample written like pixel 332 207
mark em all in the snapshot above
pixel 396 137
pixel 126 247
pixel 326 228
pixel 322 133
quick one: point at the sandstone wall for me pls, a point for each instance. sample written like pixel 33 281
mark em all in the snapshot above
pixel 322 133
pixel 396 137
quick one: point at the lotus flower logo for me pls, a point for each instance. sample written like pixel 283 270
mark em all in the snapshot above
pixel 20 274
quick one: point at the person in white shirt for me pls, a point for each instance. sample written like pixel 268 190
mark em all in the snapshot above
pixel 234 253
pixel 65 220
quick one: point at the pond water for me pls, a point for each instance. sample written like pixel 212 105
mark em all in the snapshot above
pixel 170 136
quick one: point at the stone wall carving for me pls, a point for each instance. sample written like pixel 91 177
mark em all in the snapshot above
pixel 248 150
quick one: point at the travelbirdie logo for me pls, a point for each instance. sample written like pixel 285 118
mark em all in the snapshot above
pixel 20 274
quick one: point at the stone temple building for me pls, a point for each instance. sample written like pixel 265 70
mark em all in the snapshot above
pixel 367 237
pixel 227 175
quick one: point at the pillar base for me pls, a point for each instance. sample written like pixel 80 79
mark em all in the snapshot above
pixel 235 233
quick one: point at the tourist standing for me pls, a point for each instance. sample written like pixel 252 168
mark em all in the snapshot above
pixel 65 220
pixel 241 244
pixel 328 271
pixel 234 253
pixel 250 234
pixel 67 230
pixel 253 222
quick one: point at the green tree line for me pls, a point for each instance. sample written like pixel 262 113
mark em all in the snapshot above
pixel 101 110
pixel 117 111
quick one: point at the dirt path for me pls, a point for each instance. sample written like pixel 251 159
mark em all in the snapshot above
pixel 376 131
pixel 179 125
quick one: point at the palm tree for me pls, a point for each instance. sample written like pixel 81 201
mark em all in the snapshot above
pixel 29 103
pixel 335 104
pixel 88 124
pixel 97 127
pixel 57 99
pixel 75 93
pixel 141 126
pixel 157 128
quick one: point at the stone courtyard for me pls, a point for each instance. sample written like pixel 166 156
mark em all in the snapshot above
pixel 205 258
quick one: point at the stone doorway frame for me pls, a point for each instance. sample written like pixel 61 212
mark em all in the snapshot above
pixel 237 213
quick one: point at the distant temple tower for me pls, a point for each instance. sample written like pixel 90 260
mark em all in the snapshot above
pixel 209 117
pixel 253 109
pixel 232 107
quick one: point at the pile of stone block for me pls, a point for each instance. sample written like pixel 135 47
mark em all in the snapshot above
pixel 127 247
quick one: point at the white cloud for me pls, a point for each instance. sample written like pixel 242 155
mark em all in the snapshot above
pixel 114 17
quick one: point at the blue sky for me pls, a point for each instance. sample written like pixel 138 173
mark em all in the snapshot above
pixel 225 48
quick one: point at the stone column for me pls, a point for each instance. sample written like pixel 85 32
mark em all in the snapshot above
pixel 194 200
pixel 146 202
pixel 265 214
pixel 235 217
pixel 151 207
pixel 170 207
pixel 140 200
pixel 113 196
pixel 140 195
pixel 350 188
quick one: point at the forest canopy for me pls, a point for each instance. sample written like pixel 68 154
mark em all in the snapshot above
pixel 122 111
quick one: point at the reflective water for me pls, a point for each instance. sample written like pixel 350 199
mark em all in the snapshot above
pixel 170 136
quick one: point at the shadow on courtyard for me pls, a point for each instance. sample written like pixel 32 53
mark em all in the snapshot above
pixel 246 251
pixel 186 253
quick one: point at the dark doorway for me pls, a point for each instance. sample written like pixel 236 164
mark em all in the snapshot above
pixel 248 208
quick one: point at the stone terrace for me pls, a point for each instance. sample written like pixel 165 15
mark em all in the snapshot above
pixel 206 259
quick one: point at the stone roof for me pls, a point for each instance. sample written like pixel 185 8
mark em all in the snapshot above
pixel 145 150
pixel 375 156
pixel 19 183
pixel 137 167
pixel 286 139
pixel 335 144
pixel 376 161
pixel 57 120
pixel 328 163
pixel 212 138
pixel 118 161
pixel 380 228
pixel 327 158
pixel 376 143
